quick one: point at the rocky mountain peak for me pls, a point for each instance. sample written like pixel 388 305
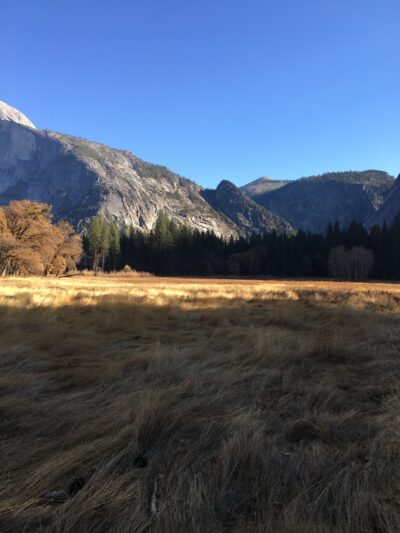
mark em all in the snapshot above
pixel 227 186
pixel 226 183
pixel 231 202
pixel 13 115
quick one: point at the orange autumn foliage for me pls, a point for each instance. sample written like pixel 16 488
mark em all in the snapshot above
pixel 31 244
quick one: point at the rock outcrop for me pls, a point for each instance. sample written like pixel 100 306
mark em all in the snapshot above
pixel 13 115
pixel 228 200
pixel 389 210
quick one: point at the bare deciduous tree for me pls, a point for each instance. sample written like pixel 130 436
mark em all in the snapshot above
pixel 354 264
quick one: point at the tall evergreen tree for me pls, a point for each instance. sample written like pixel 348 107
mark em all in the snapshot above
pixel 162 230
pixel 115 245
pixel 94 241
pixel 98 239
pixel 105 242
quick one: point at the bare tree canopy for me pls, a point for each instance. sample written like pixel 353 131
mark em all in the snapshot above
pixel 30 244
pixel 354 264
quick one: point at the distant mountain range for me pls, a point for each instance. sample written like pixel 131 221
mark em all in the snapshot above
pixel 80 179
pixel 311 203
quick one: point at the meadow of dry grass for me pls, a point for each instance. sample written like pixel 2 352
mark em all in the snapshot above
pixel 257 406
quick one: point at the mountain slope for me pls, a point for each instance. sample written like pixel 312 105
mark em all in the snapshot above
pixel 247 214
pixel 80 179
pixel 262 185
pixel 390 208
pixel 311 203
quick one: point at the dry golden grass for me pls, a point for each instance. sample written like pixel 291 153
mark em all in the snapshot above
pixel 260 406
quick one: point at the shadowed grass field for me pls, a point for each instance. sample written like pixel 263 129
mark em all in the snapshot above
pixel 199 405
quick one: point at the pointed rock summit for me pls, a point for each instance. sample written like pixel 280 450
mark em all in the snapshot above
pixel 13 115
pixel 229 200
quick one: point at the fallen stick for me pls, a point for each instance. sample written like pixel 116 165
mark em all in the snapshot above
pixel 153 501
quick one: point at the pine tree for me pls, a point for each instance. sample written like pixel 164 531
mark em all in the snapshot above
pixel 115 245
pixel 94 238
pixel 105 242
pixel 99 241
pixel 162 233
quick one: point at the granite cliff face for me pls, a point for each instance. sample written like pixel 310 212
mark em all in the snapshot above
pixel 13 115
pixel 231 202
pixel 311 203
pixel 389 210
pixel 80 178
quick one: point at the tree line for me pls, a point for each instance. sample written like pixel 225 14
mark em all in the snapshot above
pixel 32 244
pixel 102 244
pixel 351 253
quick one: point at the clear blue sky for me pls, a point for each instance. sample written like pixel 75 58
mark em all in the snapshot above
pixel 213 89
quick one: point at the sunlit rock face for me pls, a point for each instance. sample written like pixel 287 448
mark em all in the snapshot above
pixel 13 115
pixel 80 178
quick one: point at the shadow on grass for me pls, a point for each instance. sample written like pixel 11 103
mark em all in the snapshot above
pixel 252 415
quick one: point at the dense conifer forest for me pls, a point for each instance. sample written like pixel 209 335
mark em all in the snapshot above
pixel 343 253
